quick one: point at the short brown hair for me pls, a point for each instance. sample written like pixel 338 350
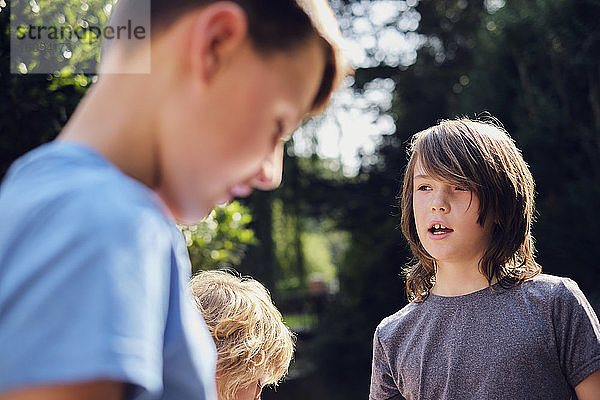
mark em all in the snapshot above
pixel 252 341
pixel 273 26
pixel 482 157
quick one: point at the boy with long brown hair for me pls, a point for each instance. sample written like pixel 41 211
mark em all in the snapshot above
pixel 482 322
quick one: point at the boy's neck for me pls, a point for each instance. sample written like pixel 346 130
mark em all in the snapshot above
pixel 116 129
pixel 118 117
pixel 457 279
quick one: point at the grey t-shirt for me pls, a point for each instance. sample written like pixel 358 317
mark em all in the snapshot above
pixel 537 340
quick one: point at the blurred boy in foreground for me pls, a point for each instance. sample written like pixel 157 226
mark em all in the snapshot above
pixel 88 232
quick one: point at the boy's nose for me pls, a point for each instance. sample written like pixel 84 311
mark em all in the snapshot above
pixel 439 208
pixel 439 203
pixel 268 176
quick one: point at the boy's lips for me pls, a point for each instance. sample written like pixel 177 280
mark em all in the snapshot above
pixel 438 230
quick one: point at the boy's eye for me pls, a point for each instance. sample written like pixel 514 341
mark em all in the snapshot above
pixel 424 187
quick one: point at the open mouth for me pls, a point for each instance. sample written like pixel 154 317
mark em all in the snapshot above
pixel 439 229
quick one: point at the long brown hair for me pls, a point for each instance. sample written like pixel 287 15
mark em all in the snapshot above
pixel 482 157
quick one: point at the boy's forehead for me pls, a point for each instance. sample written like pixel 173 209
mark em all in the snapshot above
pixel 446 176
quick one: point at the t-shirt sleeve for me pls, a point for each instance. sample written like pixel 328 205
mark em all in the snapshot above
pixel 84 296
pixel 383 386
pixel 577 333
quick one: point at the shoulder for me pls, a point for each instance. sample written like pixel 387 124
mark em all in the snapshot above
pixel 550 286
pixel 84 211
pixel 399 322
pixel 114 207
pixel 74 186
pixel 551 294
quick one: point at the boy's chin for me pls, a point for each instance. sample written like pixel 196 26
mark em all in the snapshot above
pixel 191 215
pixel 183 208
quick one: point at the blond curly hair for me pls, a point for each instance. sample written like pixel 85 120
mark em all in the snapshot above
pixel 253 343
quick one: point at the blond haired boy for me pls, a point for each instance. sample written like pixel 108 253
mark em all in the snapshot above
pixel 254 347
pixel 88 233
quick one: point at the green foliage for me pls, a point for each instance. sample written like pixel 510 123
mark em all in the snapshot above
pixel 319 249
pixel 288 251
pixel 536 68
pixel 298 232
pixel 221 239
pixel 300 322
pixel 321 245
pixel 35 107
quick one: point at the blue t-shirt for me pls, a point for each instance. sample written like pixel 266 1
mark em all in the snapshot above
pixel 93 282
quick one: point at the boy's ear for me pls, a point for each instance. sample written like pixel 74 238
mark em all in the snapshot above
pixel 218 31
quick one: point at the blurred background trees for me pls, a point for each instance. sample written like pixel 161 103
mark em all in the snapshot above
pixel 327 242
